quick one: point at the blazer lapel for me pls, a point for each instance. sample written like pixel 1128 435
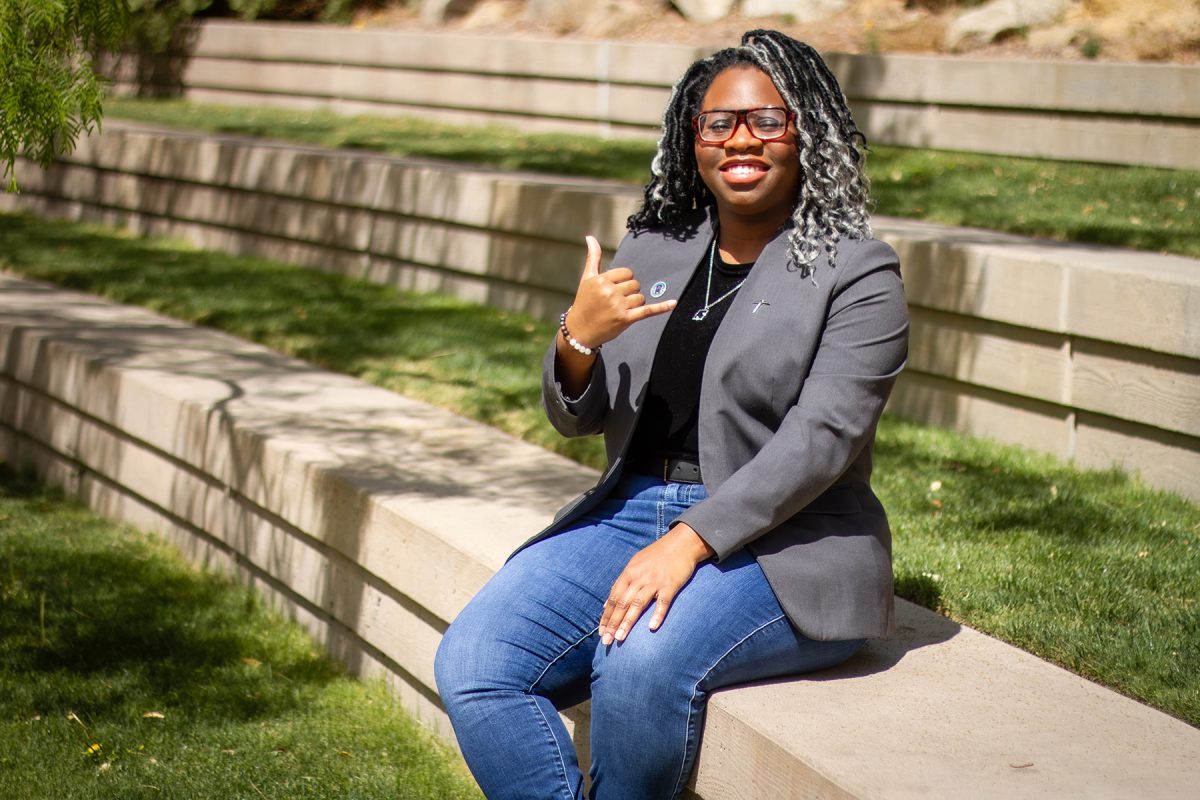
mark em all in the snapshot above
pixel 672 262
pixel 766 287
pixel 762 315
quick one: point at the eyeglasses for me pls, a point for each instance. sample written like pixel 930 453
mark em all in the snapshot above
pixel 765 124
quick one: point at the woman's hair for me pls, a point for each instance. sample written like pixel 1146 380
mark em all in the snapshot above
pixel 833 197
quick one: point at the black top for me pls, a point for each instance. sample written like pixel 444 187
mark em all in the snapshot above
pixel 668 426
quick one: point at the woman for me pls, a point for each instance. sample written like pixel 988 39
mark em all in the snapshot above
pixel 734 535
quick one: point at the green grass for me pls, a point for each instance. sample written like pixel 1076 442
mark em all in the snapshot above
pixel 1088 569
pixel 125 674
pixel 561 154
pixel 1091 570
pixel 1137 207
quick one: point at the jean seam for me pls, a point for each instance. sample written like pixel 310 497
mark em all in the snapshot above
pixel 559 657
pixel 562 762
pixel 687 728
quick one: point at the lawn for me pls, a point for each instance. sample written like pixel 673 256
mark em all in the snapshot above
pixel 1091 570
pixel 1137 207
pixel 126 674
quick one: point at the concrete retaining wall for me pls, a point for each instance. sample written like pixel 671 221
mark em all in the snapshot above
pixel 1115 113
pixel 372 519
pixel 1089 353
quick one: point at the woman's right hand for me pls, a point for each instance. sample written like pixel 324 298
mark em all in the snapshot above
pixel 607 303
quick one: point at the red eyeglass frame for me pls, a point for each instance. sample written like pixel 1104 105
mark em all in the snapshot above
pixel 740 120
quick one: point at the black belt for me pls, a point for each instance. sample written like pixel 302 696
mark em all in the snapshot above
pixel 671 470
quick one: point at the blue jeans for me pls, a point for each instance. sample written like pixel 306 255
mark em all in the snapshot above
pixel 527 646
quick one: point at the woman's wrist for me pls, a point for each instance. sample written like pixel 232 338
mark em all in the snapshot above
pixel 699 549
pixel 568 336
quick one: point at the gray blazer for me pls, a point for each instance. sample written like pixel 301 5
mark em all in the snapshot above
pixel 792 390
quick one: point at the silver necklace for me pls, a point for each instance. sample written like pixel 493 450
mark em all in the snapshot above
pixel 703 312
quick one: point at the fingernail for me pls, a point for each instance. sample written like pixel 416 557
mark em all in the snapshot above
pixel 606 639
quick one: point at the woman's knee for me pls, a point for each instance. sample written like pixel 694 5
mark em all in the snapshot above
pixel 471 657
pixel 453 664
pixel 638 674
pixel 481 652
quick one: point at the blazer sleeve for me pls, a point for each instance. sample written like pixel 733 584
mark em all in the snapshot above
pixel 863 348
pixel 580 416
pixel 583 415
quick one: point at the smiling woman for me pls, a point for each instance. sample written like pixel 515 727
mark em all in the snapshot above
pixel 753 174
pixel 738 411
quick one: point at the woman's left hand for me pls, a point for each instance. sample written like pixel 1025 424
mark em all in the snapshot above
pixel 654 575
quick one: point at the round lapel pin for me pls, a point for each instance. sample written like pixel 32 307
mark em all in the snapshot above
pixel 658 289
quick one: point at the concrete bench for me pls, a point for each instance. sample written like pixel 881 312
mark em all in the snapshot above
pixel 372 518
pixel 1089 353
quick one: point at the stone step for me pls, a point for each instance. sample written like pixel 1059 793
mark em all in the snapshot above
pixel 372 518
pixel 1089 353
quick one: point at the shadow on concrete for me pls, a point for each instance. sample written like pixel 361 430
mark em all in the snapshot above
pixel 916 627
pixel 279 459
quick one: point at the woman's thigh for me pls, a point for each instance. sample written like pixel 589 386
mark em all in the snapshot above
pixel 649 692
pixel 724 627
pixel 533 626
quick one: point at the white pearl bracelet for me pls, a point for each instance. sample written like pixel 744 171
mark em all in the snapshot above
pixel 571 340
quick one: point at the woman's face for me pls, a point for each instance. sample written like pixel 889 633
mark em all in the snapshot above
pixel 750 178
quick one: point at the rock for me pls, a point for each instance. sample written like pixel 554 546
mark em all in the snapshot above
pixel 590 17
pixel 546 10
pixel 798 10
pixel 1058 37
pixel 612 18
pixel 435 12
pixel 920 35
pixel 992 19
pixel 704 10
pixel 490 13
pixel 564 16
